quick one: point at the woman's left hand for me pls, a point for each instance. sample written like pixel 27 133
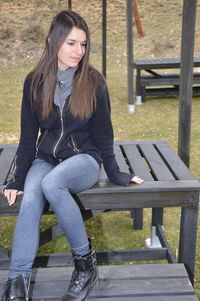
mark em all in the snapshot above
pixel 137 180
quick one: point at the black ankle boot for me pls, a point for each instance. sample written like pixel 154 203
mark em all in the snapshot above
pixel 84 277
pixel 15 290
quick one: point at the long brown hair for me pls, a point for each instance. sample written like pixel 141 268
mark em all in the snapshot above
pixel 82 100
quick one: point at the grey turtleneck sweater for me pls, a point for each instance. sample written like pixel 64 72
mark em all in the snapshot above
pixel 63 85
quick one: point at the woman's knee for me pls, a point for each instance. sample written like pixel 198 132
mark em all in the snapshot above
pixel 51 187
pixel 47 184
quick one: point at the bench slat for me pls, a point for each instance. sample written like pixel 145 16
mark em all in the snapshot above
pixel 165 79
pixel 158 167
pixel 177 166
pixel 137 162
pixel 7 155
pixel 120 159
pixel 168 91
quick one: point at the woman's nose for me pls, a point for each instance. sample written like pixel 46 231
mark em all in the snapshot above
pixel 79 49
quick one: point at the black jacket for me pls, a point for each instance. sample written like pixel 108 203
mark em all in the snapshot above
pixel 62 136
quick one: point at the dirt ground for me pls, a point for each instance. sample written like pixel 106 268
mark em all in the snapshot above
pixel 23 26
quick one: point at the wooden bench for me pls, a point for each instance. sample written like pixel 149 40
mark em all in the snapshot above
pixel 163 84
pixel 168 183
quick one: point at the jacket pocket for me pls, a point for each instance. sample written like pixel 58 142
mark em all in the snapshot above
pixel 73 144
pixel 42 139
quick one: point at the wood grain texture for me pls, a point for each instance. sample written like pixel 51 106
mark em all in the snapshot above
pixel 146 282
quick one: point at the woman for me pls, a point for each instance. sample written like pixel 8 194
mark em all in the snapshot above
pixel 66 133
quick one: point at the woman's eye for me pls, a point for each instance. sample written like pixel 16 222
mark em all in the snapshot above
pixel 84 44
pixel 71 44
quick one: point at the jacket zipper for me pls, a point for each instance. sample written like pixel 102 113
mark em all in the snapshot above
pixel 61 134
pixel 74 145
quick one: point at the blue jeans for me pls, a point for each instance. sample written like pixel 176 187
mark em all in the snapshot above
pixel 55 184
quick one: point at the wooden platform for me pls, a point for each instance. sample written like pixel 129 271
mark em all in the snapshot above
pixel 148 282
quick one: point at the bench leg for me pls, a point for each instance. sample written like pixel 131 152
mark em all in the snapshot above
pixel 138 100
pixel 143 94
pixel 153 241
pixel 157 219
pixel 138 88
pixel 137 215
pixel 157 216
pixel 131 108
pixel 138 78
pixel 4 254
pixel 187 240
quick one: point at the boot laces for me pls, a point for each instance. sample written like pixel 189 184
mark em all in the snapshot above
pixel 78 280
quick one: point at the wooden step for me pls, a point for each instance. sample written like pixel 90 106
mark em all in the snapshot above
pixel 141 282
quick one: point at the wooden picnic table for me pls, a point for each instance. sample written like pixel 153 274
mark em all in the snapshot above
pixel 155 78
pixel 168 183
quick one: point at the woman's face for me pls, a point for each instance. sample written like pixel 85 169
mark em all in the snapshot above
pixel 73 49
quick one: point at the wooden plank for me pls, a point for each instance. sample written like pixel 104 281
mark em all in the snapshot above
pixel 165 79
pixel 3 254
pixel 120 159
pixel 162 63
pixel 188 236
pixel 137 162
pixel 158 167
pixel 58 260
pixel 149 194
pixel 186 70
pixel 139 271
pixel 148 186
pixel 7 155
pixel 149 298
pixel 117 282
pixel 160 233
pixel 173 161
pixel 148 199
pixel 168 91
pixel 136 142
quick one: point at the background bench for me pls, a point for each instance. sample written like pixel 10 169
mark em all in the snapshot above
pixel 168 183
pixel 164 84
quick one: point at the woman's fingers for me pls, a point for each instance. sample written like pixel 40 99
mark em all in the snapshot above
pixel 137 180
pixel 11 195
pixel 20 192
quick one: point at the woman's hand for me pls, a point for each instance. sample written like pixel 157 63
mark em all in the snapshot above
pixel 11 195
pixel 137 180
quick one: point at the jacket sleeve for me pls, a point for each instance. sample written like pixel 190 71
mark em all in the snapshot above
pixel 103 138
pixel 28 137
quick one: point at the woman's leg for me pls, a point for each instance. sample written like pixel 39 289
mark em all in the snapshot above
pixel 73 175
pixel 26 235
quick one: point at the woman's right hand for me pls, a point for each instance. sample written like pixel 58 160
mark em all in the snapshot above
pixel 11 195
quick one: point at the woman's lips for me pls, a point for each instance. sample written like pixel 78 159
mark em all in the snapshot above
pixel 75 58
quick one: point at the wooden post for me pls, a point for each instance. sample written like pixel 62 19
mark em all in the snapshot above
pixel 104 36
pixel 186 78
pixel 129 11
pixel 137 18
pixel 70 4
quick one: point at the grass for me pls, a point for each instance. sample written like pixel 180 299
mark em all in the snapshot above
pixel 156 119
